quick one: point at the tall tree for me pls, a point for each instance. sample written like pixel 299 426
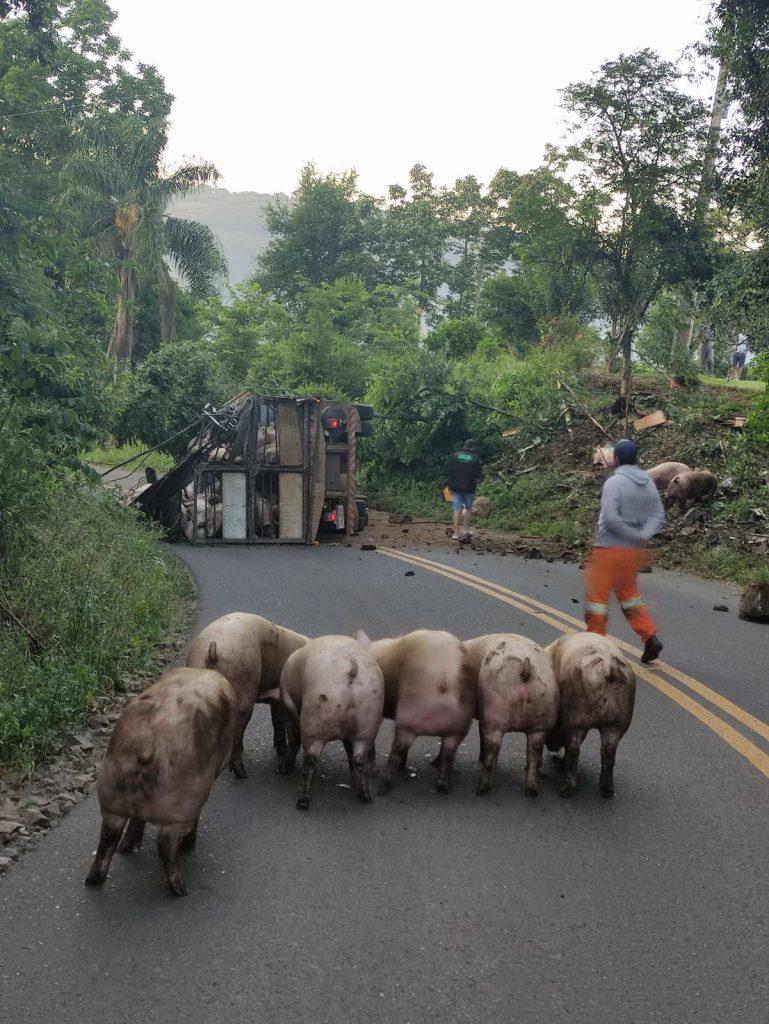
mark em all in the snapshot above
pixel 323 233
pixel 637 148
pixel 412 243
pixel 117 186
pixel 467 210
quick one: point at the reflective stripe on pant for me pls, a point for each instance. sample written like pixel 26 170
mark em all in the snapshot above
pixel 615 570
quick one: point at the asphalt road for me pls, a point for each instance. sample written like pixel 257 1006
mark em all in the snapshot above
pixel 422 908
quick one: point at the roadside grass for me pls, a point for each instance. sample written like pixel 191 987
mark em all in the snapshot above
pixel 736 385
pixel 109 454
pixel 727 563
pixel 95 591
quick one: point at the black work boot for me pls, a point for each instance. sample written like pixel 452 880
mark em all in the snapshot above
pixel 652 649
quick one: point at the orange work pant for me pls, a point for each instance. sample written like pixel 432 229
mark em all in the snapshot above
pixel 615 570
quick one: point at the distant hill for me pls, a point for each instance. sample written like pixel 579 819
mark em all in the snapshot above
pixel 237 218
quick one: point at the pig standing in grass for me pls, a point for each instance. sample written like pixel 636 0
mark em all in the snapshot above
pixel 692 486
pixel 517 692
pixel 430 690
pixel 664 473
pixel 332 689
pixel 597 691
pixel 167 748
pixel 250 651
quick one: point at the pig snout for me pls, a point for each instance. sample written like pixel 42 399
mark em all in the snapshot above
pixel 167 748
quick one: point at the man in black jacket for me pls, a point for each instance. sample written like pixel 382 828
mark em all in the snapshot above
pixel 465 470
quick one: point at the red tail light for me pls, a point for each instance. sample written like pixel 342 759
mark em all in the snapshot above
pixel 331 517
pixel 333 424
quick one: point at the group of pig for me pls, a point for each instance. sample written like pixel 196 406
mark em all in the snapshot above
pixel 170 743
pixel 675 480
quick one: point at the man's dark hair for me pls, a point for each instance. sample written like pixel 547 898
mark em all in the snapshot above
pixel 470 445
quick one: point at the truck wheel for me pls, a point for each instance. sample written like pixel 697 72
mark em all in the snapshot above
pixel 366 428
pixel 361 519
pixel 366 412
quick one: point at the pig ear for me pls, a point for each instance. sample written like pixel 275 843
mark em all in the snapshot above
pixel 362 638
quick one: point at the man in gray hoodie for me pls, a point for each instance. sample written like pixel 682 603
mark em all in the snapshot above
pixel 631 514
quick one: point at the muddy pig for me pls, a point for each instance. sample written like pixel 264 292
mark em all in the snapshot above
pixel 597 691
pixel 430 690
pixel 664 473
pixel 251 652
pixel 517 692
pixel 167 748
pixel 332 689
pixel 692 486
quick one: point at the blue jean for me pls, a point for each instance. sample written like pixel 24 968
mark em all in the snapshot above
pixel 462 499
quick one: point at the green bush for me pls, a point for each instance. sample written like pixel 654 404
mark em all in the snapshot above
pixel 91 583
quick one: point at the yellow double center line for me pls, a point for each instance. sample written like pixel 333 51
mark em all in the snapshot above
pixel 569 624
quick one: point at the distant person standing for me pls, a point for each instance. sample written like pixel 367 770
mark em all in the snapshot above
pixel 707 348
pixel 465 470
pixel 631 514
pixel 739 355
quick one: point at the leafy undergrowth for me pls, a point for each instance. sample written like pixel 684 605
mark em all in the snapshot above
pixel 87 591
pixel 544 484
pixel 112 455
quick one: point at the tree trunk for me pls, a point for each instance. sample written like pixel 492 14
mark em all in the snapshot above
pixel 121 340
pixel 167 307
pixel 627 363
pixel 682 338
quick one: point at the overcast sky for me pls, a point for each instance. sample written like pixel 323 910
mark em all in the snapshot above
pixel 463 86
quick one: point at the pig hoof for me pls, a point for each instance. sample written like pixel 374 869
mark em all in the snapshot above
pixel 177 887
pixel 534 791
pixel 94 878
pixel 441 786
pixel 303 803
pixel 482 789
pixel 238 770
pixel 568 790
pixel 607 792
pixel 366 797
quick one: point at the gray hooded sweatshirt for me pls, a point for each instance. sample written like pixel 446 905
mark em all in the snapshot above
pixel 631 510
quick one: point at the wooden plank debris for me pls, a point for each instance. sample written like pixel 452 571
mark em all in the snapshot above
pixel 654 419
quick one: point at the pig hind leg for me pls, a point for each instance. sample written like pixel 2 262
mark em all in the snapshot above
pixel 170 839
pixel 361 760
pixel 449 748
pixel 490 744
pixel 286 764
pixel 111 830
pixel 397 759
pixel 534 744
pixel 237 767
pixel 132 836
pixel 609 740
pixel 189 841
pixel 278 716
pixel 574 738
pixel 311 753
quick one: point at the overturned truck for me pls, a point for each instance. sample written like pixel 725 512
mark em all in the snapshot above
pixel 264 470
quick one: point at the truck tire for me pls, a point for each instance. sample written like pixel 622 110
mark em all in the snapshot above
pixel 361 520
pixel 366 412
pixel 366 428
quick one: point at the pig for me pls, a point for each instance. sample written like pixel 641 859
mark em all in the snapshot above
pixel 604 457
pixel 664 473
pixel 167 748
pixel 430 690
pixel 332 689
pixel 691 486
pixel 597 691
pixel 482 507
pixel 250 652
pixel 517 692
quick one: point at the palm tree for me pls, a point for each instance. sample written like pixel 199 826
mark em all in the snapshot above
pixel 116 185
